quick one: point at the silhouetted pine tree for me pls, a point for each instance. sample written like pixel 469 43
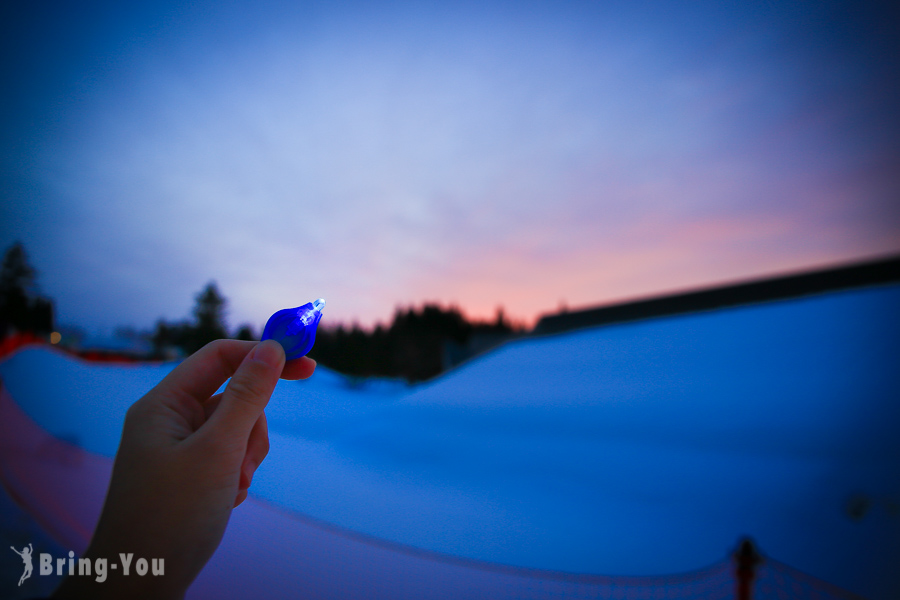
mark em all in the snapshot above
pixel 245 332
pixel 21 308
pixel 209 312
pixel 208 325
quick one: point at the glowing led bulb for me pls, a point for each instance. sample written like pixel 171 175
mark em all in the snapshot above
pixel 295 328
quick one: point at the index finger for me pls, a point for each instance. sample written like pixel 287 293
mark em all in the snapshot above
pixel 204 372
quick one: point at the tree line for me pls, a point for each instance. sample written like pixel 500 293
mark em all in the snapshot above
pixel 417 344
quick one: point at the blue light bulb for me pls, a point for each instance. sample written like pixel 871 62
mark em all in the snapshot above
pixel 295 328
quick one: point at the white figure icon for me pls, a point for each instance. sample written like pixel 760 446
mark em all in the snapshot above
pixel 26 558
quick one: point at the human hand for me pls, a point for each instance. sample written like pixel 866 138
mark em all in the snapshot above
pixel 186 458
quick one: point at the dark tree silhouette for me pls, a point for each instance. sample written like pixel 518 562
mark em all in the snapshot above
pixel 418 345
pixel 245 332
pixel 209 312
pixel 208 325
pixel 168 336
pixel 21 308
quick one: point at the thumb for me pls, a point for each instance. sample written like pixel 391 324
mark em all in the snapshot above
pixel 249 390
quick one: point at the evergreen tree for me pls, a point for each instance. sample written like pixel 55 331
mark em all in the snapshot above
pixel 245 332
pixel 21 309
pixel 16 275
pixel 209 312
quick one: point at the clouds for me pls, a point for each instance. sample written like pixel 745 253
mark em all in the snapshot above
pixel 482 155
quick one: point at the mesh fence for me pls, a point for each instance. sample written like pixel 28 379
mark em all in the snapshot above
pixel 777 581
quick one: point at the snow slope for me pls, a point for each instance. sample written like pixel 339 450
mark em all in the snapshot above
pixel 642 448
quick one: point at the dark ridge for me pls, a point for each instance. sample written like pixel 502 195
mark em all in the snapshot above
pixel 778 288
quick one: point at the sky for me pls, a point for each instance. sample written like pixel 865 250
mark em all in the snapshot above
pixel 519 154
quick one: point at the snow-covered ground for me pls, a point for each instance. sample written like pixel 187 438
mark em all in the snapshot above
pixel 642 448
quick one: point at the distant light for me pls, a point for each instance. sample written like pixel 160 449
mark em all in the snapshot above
pixel 55 337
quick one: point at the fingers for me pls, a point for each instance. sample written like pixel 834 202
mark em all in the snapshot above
pixel 248 392
pixel 257 449
pixel 202 373
pixel 300 368
pixel 209 407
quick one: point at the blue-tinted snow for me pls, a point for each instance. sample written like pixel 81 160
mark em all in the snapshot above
pixel 642 448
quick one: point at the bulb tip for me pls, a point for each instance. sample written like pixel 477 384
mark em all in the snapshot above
pixel 319 304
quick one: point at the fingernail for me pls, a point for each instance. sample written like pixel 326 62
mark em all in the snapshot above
pixel 269 352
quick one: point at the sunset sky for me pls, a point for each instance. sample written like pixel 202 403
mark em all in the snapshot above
pixel 381 154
